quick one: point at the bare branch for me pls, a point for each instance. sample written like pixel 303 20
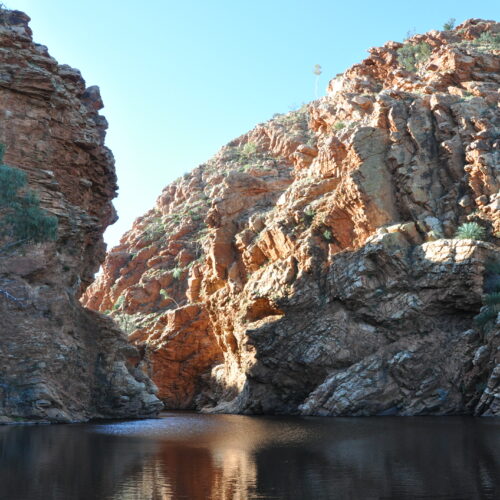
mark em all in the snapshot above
pixel 11 297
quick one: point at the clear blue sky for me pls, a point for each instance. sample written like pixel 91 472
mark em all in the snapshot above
pixel 179 79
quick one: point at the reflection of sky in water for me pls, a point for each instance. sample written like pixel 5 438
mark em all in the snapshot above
pixel 164 428
pixel 233 457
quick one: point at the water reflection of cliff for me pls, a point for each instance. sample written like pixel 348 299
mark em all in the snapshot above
pixel 66 462
pixel 240 458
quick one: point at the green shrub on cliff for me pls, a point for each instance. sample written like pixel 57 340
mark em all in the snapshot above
pixel 248 150
pixel 488 40
pixel 485 317
pixel 493 266
pixel 21 218
pixel 125 322
pixel 177 273
pixel 470 230
pixel 410 56
pixel 450 24
pixel 120 302
pixel 490 310
pixel 491 300
pixel 165 296
pixel 308 215
pixel 155 229
pixel 492 280
pixel 484 43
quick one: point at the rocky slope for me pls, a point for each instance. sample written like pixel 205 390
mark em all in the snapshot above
pixel 310 266
pixel 58 361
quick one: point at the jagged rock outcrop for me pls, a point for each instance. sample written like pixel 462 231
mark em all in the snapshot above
pixel 58 361
pixel 310 266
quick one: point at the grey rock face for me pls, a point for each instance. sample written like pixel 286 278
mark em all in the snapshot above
pixel 389 333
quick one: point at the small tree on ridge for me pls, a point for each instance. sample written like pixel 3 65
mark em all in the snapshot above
pixel 317 71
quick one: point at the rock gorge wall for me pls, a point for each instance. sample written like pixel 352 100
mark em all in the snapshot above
pixel 58 361
pixel 310 266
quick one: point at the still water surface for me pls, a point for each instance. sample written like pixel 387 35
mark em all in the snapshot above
pixel 233 457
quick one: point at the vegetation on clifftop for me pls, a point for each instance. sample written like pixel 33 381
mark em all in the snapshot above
pixel 411 56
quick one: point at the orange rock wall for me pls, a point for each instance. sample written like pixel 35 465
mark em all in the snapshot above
pixel 243 253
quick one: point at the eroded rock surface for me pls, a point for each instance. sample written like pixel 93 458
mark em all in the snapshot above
pixel 310 266
pixel 58 361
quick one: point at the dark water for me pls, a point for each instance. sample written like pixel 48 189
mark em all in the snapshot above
pixel 228 457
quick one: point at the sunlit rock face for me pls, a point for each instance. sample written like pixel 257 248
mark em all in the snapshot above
pixel 309 267
pixel 58 361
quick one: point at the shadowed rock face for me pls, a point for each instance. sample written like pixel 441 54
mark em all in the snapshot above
pixel 309 267
pixel 58 361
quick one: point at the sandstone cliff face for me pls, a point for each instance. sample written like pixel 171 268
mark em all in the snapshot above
pixel 58 361
pixel 310 266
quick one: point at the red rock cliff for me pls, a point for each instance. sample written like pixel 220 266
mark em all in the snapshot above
pixel 310 266
pixel 58 361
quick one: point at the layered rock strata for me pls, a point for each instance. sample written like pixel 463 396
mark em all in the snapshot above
pixel 311 267
pixel 58 361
